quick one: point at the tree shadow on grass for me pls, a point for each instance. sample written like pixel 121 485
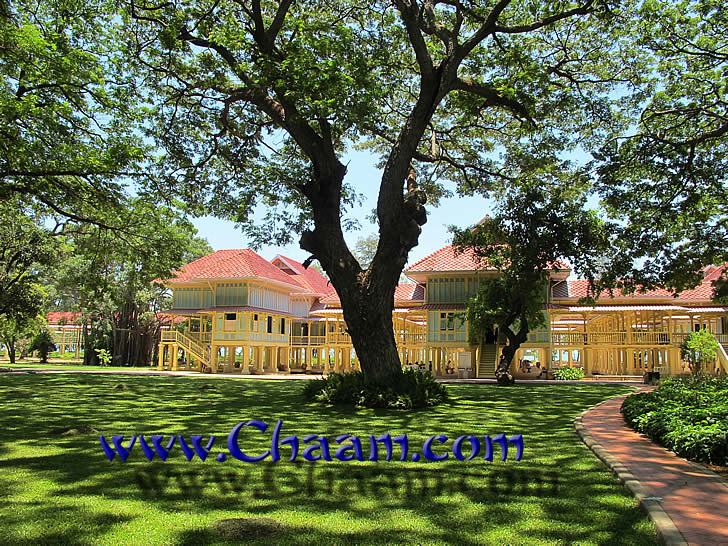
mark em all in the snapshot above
pixel 468 503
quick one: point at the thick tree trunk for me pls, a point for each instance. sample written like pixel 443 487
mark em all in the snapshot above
pixel 515 340
pixel 11 351
pixel 368 317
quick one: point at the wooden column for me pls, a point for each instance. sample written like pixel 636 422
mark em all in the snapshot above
pixel 286 357
pixel 274 358
pixel 160 357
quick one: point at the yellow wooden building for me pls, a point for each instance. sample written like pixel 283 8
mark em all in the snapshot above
pixel 245 314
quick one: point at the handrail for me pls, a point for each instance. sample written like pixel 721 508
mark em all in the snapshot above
pixel 723 358
pixel 188 344
pixel 623 338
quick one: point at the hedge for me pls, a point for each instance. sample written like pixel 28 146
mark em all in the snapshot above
pixel 686 415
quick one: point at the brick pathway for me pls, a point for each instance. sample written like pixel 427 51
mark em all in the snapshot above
pixel 694 498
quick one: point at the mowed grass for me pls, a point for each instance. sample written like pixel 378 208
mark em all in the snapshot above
pixel 59 488
pixel 63 365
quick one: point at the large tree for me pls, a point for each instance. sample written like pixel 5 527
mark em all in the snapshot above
pixel 255 103
pixel 26 248
pixel 538 223
pixel 666 177
pixel 109 276
pixel 67 106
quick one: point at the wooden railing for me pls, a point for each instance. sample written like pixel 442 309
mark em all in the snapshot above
pixel 624 338
pixel 308 341
pixel 201 352
pixel 338 338
pixel 204 338
pixel 410 339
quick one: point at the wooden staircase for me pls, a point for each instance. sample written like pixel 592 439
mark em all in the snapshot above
pixel 201 352
pixel 487 363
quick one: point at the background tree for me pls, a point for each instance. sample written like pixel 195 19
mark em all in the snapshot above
pixel 255 103
pixel 537 224
pixel 17 332
pixel 666 177
pixel 699 349
pixel 365 249
pixel 66 106
pixel 25 249
pixel 109 276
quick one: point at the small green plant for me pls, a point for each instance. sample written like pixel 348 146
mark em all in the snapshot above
pixel 104 356
pixel 415 389
pixel 43 344
pixel 699 349
pixel 569 374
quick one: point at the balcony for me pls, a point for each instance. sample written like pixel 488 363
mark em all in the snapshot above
pixel 307 341
pixel 662 338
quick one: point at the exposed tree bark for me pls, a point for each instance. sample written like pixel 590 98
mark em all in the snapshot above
pixel 11 350
pixel 515 340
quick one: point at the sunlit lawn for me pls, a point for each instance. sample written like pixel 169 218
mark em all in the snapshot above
pixel 63 365
pixel 59 488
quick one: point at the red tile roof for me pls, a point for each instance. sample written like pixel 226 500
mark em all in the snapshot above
pixel 66 317
pixel 308 278
pixel 231 264
pixel 579 289
pixel 405 293
pixel 446 259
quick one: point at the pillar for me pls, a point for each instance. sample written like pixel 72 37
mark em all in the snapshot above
pixel 274 359
pixel 213 357
pixel 160 362
pixel 286 358
pixel 309 357
pixel 587 362
pixel 244 369
pixel 258 352
pixel 175 349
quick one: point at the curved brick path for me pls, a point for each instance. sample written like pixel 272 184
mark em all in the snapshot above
pixel 695 499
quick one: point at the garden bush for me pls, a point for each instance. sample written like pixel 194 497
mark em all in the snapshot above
pixel 415 389
pixel 686 415
pixel 569 374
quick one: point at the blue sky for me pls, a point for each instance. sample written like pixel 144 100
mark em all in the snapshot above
pixel 363 174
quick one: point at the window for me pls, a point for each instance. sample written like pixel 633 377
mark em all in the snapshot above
pixel 254 327
pixel 231 320
pixel 269 326
pixel 447 322
pixel 283 326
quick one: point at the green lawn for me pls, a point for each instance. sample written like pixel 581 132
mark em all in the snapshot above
pixel 61 365
pixel 59 488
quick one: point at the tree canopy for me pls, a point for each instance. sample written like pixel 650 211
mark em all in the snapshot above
pixel 256 103
pixel 666 176
pixel 538 223
pixel 67 105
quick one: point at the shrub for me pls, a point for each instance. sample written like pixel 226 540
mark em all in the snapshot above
pixel 415 389
pixel 43 344
pixel 569 374
pixel 699 349
pixel 688 415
